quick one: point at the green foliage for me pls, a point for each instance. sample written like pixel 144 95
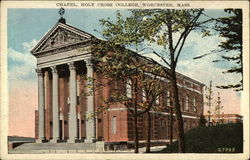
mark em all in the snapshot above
pixel 124 32
pixel 231 28
pixel 214 139
pixel 115 61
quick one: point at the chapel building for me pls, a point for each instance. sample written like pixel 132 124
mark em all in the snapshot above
pixel 63 63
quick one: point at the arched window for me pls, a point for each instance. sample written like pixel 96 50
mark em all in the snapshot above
pixel 113 125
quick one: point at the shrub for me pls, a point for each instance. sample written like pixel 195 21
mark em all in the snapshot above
pixel 226 138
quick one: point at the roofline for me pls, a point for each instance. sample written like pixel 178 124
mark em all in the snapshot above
pixel 178 74
pixel 43 38
pixel 93 37
pixel 58 23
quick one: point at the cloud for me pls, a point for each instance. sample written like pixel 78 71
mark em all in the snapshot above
pixel 27 46
pixel 21 66
pixel 204 69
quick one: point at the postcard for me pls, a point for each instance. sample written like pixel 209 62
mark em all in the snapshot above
pixel 124 80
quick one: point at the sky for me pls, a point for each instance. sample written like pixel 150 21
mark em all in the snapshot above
pixel 27 26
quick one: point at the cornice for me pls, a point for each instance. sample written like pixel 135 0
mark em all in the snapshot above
pixel 62 49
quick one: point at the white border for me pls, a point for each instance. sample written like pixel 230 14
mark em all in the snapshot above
pixel 194 4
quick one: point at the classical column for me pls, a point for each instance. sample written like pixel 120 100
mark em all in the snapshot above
pixel 40 105
pixel 90 114
pixel 72 109
pixel 55 105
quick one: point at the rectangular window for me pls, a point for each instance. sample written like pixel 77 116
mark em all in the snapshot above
pixel 116 85
pixel 78 100
pixel 113 124
pixel 186 105
pixel 168 98
pixel 194 105
pixel 143 95
pixel 129 89
pixel 157 100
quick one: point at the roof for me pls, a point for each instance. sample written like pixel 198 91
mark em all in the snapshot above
pixel 58 32
pixel 78 36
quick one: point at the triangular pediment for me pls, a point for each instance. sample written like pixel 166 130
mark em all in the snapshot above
pixel 61 35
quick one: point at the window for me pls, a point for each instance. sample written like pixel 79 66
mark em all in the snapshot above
pixel 113 124
pixel 168 98
pixel 129 89
pixel 194 105
pixel 157 100
pixel 182 103
pixel 77 92
pixel 186 104
pixel 143 95
pixel 99 120
pixel 162 123
pixel 68 100
pixel 116 85
pixel 78 100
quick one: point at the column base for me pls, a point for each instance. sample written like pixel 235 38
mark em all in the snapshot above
pixel 71 141
pixel 53 141
pixel 90 140
pixel 41 140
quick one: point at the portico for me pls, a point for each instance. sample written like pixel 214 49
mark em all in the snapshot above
pixel 63 65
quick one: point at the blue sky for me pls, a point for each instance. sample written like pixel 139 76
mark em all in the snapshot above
pixel 27 26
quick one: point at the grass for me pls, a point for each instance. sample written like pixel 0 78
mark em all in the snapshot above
pixel 226 138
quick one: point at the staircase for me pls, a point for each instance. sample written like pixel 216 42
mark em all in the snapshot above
pixel 57 148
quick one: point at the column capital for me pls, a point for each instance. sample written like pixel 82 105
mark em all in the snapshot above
pixel 71 66
pixel 54 69
pixel 89 62
pixel 39 72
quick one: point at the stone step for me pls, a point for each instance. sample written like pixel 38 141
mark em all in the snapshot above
pixel 56 146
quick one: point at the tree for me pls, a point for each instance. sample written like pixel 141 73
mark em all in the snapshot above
pixel 144 70
pixel 209 97
pixel 230 27
pixel 134 72
pixel 114 63
pixel 162 27
pixel 153 89
pixel 159 27
pixel 218 108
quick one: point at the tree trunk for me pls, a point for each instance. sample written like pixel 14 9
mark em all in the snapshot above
pixel 171 125
pixel 180 131
pixel 136 139
pixel 136 144
pixel 148 132
pixel 174 87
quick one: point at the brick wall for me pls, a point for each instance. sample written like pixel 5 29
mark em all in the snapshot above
pixel 160 121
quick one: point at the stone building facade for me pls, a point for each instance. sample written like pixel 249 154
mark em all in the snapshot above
pixel 63 65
